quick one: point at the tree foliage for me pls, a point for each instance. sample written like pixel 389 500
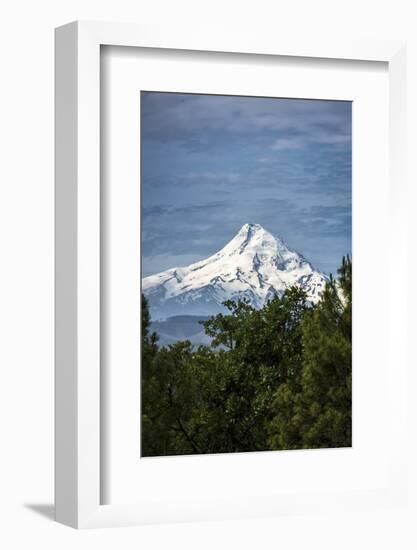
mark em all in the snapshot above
pixel 274 378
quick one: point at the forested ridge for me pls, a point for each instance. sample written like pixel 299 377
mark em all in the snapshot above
pixel 275 378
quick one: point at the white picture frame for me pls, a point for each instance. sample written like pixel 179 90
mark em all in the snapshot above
pixel 78 404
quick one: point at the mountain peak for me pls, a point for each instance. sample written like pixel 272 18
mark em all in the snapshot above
pixel 254 265
pixel 251 229
pixel 253 240
pixel 255 229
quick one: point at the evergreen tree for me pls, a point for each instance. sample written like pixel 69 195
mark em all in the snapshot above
pixel 317 413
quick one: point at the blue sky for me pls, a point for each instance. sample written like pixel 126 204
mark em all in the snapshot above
pixel 209 164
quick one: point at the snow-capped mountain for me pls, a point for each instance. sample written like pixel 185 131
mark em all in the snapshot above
pixel 254 265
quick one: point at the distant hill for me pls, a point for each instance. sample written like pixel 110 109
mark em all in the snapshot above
pixel 181 327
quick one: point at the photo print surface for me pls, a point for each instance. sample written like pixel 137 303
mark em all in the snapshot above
pixel 246 265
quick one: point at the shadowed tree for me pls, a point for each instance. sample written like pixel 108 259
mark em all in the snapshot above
pixel 317 412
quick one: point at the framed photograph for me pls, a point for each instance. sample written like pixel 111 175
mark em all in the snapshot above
pixel 242 345
pixel 230 340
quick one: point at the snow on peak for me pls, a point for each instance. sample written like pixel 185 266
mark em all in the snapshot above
pixel 255 265
pixel 249 231
pixel 253 242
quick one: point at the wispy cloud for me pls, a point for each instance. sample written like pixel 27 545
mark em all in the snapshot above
pixel 229 177
pixel 194 119
pixel 318 137
pixel 283 144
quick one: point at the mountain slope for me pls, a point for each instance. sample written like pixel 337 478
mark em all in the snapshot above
pixel 254 265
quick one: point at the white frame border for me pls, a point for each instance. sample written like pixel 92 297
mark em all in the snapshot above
pixel 77 240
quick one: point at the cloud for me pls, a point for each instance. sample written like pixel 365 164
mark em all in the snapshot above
pixel 193 119
pixel 329 138
pixel 283 144
pixel 227 177
pixel 316 137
